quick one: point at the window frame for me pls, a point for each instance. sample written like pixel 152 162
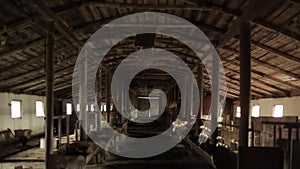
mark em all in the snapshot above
pixel 67 108
pixel 282 113
pixel 252 115
pixel 238 112
pixel 21 109
pixel 36 115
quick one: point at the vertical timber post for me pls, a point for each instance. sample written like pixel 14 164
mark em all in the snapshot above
pixel 49 91
pixel 101 97
pixel 191 98
pixel 215 98
pixel 245 82
pixel 59 131
pixel 83 100
pixel 108 88
pixel 200 87
pixel 68 131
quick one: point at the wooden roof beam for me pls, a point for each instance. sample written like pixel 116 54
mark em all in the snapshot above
pixel 285 83
pixel 21 47
pixel 275 51
pixel 255 90
pixel 153 6
pixel 269 77
pixel 31 19
pixel 260 45
pixel 39 70
pixel 258 21
pixel 267 65
pixel 39 81
pixel 280 90
pixel 271 27
pixel 253 9
pixel 60 24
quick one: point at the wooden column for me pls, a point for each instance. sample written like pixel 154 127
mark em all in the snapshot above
pixel 83 100
pixel 215 98
pixel 68 131
pixel 49 91
pixel 108 85
pixel 245 81
pixel 191 98
pixel 122 101
pixel 59 131
pixel 99 99
pixel 200 88
pixel 184 98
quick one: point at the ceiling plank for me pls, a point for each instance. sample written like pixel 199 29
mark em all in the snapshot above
pixel 260 7
pixel 21 47
pixel 60 24
pixel 275 51
pixel 267 65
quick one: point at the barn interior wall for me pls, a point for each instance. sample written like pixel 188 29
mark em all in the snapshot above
pixel 290 105
pixel 29 120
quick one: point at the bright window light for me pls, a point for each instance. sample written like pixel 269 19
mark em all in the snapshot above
pixel 255 111
pixel 39 109
pixel 87 107
pixel 238 112
pixel 69 108
pixel 278 110
pixel 104 107
pixel 92 107
pixel 78 107
pixel 15 109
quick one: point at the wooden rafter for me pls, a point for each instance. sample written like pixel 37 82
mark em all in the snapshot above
pixel 60 26
pixel 260 7
pixel 267 65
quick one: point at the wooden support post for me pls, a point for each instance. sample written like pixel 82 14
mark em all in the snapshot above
pixel 68 131
pixel 126 102
pixel 290 148
pixel 191 98
pixel 49 92
pixel 122 102
pixel 280 133
pixel 297 130
pixel 76 130
pixel 59 131
pixel 245 82
pixel 175 93
pixel 215 99
pixel 100 97
pixel 252 134
pixel 274 135
pixel 108 88
pixel 184 98
pixel 83 100
pixel 200 87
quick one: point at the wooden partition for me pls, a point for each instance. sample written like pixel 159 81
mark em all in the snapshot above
pixel 265 135
pixel 260 158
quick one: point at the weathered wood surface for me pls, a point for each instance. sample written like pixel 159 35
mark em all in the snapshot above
pixel 275 42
